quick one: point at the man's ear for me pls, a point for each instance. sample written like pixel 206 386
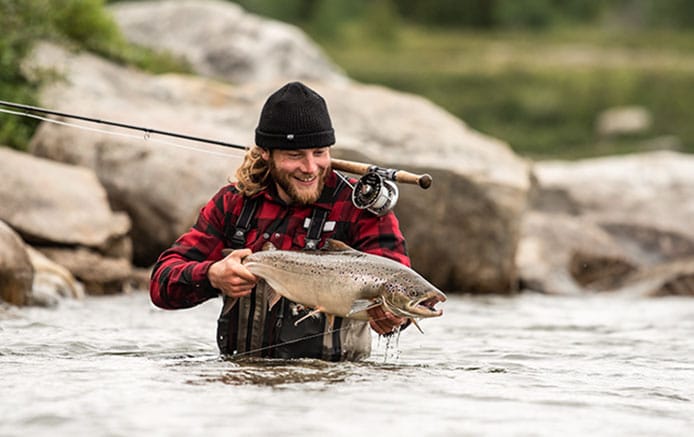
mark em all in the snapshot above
pixel 265 154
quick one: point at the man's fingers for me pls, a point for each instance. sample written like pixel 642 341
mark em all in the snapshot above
pixel 243 273
pixel 384 322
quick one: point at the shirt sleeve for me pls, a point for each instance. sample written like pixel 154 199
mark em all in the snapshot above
pixel 381 236
pixel 179 277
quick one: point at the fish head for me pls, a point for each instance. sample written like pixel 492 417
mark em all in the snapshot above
pixel 412 296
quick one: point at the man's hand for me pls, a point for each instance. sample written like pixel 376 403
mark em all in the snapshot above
pixel 232 277
pixel 384 322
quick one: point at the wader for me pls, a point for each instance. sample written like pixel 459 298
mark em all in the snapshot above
pixel 250 329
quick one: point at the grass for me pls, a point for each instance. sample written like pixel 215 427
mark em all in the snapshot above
pixel 541 92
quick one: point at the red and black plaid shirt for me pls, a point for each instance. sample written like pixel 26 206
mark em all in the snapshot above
pixel 179 278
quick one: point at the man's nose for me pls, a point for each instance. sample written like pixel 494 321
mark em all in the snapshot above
pixel 309 165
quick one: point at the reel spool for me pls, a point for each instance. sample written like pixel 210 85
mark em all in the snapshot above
pixel 375 193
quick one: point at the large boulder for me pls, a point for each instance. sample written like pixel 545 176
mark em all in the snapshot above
pixel 51 202
pixel 219 39
pixel 62 207
pixel 641 206
pixel 52 281
pixel 159 182
pixel 562 254
pixel 462 233
pixel 16 271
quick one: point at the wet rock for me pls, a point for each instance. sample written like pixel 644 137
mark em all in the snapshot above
pixel 674 278
pixel 99 274
pixel 561 254
pixel 220 40
pixel 16 271
pixel 598 271
pixel 52 281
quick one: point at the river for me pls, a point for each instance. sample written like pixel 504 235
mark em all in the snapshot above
pixel 522 366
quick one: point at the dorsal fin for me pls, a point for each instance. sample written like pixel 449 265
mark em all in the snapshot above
pixel 335 245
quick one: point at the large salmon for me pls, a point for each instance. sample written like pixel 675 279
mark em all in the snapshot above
pixel 338 280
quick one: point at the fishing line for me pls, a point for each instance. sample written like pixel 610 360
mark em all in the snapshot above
pixel 147 137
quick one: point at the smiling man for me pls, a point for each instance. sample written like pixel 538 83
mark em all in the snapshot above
pixel 286 194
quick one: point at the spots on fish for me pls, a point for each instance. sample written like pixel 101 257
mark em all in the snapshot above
pixel 358 274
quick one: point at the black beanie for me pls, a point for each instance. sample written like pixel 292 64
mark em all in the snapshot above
pixel 294 117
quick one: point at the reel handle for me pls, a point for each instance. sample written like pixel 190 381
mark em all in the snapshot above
pixel 423 180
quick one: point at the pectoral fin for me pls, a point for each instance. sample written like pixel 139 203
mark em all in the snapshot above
pixel 272 298
pixel 360 305
pixel 414 322
pixel 312 313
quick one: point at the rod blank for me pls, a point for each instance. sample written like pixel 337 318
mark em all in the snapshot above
pixel 423 180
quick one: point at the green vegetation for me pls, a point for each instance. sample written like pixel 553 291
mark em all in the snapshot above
pixel 534 73
pixel 541 92
pixel 82 24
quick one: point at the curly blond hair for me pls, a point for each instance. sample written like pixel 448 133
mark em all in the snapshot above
pixel 253 175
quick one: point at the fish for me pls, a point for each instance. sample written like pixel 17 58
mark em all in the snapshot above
pixel 340 281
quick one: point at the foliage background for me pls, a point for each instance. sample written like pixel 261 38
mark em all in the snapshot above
pixel 535 73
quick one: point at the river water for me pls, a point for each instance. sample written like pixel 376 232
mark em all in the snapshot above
pixel 525 365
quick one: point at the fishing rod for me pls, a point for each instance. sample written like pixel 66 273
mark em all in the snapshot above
pixel 375 191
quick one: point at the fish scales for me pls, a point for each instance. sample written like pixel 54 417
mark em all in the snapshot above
pixel 329 281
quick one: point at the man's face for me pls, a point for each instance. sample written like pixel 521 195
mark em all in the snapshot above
pixel 299 174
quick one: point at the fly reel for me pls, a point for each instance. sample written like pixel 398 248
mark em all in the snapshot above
pixel 375 193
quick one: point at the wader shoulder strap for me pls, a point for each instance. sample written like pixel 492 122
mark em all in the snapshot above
pixel 234 322
pixel 238 238
pixel 315 228
pixel 318 223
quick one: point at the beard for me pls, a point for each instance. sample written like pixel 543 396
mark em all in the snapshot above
pixel 298 195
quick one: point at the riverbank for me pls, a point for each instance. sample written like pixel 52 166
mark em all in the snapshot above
pixel 542 92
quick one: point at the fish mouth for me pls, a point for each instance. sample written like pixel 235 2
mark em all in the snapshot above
pixel 425 306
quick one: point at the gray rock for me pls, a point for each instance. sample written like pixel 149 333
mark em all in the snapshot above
pixel 640 199
pixel 219 39
pixel 16 271
pixel 624 120
pixel 562 254
pixel 462 233
pixel 99 274
pixel 674 278
pixel 51 280
pixel 641 206
pixel 47 201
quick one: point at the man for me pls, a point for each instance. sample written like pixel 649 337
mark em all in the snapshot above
pixel 286 194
